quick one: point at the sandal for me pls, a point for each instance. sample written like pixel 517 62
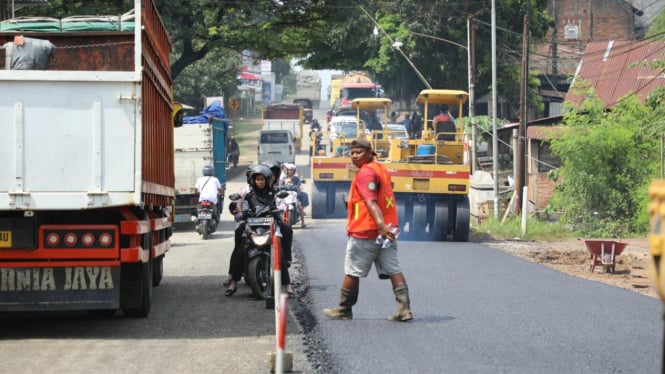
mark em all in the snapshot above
pixel 230 291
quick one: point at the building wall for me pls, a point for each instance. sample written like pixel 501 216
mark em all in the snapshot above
pixel 597 20
pixel 541 187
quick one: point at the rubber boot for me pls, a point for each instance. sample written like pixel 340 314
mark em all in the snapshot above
pixel 403 304
pixel 347 299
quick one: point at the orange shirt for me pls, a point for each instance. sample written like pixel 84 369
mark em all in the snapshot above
pixel 371 182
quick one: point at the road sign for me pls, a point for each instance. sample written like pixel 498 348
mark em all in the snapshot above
pixel 234 104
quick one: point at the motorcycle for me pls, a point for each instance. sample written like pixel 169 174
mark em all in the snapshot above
pixel 287 201
pixel 206 219
pixel 258 239
pixel 317 148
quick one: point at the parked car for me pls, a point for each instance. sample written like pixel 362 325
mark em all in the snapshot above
pixel 277 145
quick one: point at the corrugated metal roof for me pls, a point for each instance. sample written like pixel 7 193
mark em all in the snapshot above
pixel 609 68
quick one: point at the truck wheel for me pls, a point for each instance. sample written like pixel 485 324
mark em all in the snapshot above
pixel 157 271
pixel 319 201
pixel 440 226
pixel 141 305
pixel 462 221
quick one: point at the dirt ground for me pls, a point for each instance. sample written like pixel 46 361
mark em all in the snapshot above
pixel 572 257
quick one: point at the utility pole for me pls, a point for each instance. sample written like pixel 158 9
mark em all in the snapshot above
pixel 521 137
pixel 472 109
pixel 495 135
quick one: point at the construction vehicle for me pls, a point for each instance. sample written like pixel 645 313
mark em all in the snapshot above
pixel 87 152
pixel 430 175
pixel 285 117
pixel 332 173
pixel 200 141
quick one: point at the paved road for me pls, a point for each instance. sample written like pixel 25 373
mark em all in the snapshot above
pixel 478 310
pixel 192 328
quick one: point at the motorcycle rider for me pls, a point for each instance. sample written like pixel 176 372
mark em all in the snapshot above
pixel 260 194
pixel 292 182
pixel 210 188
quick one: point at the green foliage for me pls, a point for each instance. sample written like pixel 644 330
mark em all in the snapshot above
pixel 657 28
pixel 214 75
pixel 336 34
pixel 608 162
pixel 535 229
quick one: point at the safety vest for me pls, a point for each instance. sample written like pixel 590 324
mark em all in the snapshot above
pixel 359 219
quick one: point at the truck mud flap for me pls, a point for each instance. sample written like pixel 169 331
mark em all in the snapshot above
pixel 433 217
pixel 59 288
pixel 328 199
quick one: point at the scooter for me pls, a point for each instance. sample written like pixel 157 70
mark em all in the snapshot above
pixel 258 239
pixel 206 219
pixel 287 201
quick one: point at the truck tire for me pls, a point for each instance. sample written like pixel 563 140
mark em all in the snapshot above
pixel 462 221
pixel 139 306
pixel 157 271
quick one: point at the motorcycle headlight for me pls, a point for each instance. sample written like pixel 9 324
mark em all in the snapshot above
pixel 261 240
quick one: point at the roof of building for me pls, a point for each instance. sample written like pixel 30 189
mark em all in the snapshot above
pixel 615 69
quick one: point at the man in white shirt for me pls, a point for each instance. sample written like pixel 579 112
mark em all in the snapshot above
pixel 209 187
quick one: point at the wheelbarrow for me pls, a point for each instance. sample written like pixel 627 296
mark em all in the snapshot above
pixel 603 253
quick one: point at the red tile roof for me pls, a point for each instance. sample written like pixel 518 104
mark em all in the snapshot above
pixel 608 67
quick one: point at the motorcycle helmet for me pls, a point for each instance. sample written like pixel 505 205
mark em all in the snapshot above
pixel 263 170
pixel 275 167
pixel 248 172
pixel 290 166
pixel 208 171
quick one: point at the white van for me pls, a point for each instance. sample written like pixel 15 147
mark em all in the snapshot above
pixel 276 145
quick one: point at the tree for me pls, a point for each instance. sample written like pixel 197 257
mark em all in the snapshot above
pixel 608 162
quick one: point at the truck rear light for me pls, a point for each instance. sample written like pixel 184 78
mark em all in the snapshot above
pixel 105 239
pixel 78 237
pixel 457 187
pixel 53 239
pixel 88 239
pixel 71 239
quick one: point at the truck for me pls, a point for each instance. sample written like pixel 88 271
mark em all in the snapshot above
pixel 308 86
pixel 333 171
pixel 87 179
pixel 335 85
pixel 285 117
pixel 356 84
pixel 200 141
pixel 430 175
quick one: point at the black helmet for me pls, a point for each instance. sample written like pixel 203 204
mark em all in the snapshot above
pixel 248 172
pixel 208 171
pixel 275 167
pixel 263 170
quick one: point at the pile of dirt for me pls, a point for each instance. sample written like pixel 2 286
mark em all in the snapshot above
pixel 570 256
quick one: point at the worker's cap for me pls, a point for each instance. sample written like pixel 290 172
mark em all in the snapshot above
pixel 362 143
